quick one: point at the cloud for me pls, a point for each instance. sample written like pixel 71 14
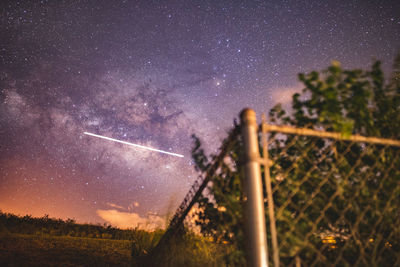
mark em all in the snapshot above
pixel 133 206
pixel 284 95
pixel 131 220
pixel 112 205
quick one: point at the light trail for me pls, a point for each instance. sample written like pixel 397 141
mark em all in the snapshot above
pixel 134 145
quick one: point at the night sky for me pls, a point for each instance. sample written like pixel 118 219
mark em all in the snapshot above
pixel 153 73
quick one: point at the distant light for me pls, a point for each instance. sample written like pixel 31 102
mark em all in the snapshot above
pixel 134 145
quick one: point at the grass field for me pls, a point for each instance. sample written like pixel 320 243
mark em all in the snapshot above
pixel 29 241
pixel 46 250
pixel 41 250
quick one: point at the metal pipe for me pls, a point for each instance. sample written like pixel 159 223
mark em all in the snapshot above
pixel 268 188
pixel 254 215
pixel 333 135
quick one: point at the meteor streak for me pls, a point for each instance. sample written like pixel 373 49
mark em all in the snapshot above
pixel 134 145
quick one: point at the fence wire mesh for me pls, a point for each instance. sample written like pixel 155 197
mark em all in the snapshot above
pixel 332 200
pixel 336 201
pixel 190 211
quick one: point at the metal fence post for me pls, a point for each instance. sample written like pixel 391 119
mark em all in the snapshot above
pixel 255 230
pixel 268 189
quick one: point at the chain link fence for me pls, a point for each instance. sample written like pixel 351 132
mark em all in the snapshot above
pixel 329 199
pixel 336 199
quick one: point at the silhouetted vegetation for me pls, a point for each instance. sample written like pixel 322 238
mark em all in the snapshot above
pixel 57 227
pixel 347 101
pixel 29 241
pixel 189 249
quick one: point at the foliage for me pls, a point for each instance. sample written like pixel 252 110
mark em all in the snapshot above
pixel 58 227
pixel 189 249
pixel 219 215
pixel 346 101
pixel 351 102
pixel 56 242
pixel 355 183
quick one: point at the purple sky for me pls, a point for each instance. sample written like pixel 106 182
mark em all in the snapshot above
pixel 153 73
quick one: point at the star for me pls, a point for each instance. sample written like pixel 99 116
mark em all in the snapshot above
pixel 153 74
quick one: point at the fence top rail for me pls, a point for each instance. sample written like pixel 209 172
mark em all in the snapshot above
pixel 332 135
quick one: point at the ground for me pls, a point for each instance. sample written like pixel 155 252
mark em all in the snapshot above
pixel 42 250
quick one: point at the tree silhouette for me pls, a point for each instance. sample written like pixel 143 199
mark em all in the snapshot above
pixel 348 192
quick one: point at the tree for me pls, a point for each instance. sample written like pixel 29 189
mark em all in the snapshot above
pixel 354 190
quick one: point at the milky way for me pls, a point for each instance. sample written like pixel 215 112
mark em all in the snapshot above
pixel 153 73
